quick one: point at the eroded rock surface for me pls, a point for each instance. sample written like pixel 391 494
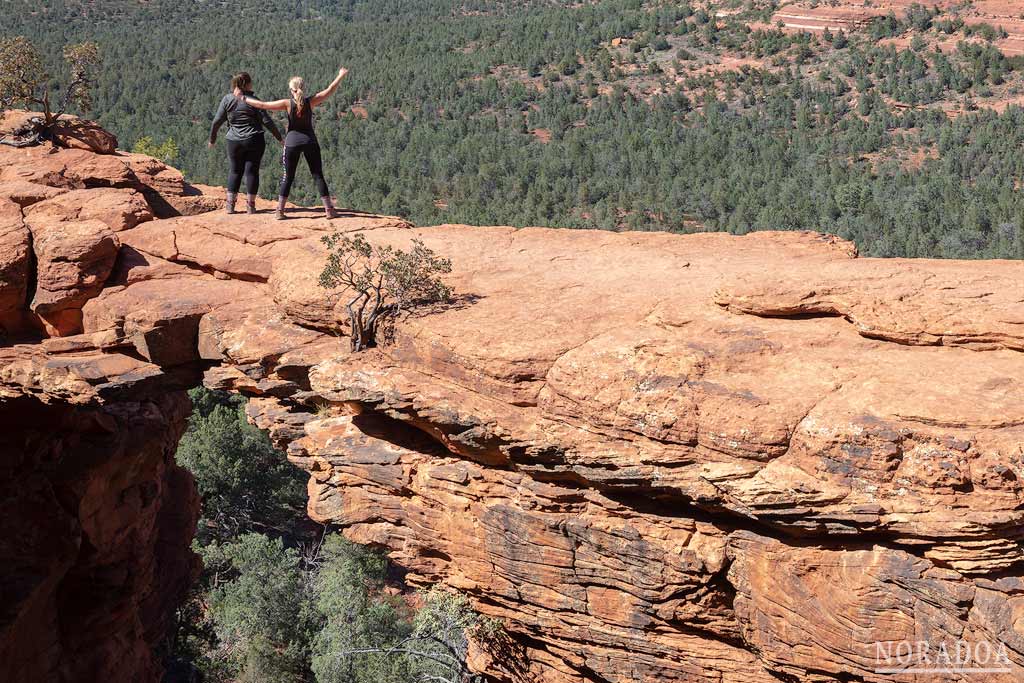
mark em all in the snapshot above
pixel 654 457
pixel 69 131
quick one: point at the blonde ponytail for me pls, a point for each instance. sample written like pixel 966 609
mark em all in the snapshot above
pixel 298 86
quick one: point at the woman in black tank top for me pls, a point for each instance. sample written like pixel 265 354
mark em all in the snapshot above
pixel 301 138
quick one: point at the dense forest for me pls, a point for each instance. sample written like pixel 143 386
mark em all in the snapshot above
pixel 524 112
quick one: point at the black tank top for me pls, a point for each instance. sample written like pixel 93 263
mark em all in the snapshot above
pixel 300 125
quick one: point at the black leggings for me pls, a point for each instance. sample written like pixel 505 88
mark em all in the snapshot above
pixel 244 157
pixel 290 162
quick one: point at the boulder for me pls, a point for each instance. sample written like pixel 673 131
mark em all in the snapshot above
pixel 119 208
pixel 162 179
pixel 73 261
pixel 64 168
pixel 24 193
pixel 70 131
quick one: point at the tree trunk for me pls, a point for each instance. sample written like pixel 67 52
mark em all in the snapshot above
pixel 356 325
pixel 48 118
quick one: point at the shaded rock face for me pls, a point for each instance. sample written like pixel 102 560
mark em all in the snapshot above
pixel 95 531
pixel 653 457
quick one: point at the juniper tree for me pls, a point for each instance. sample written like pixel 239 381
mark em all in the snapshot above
pixel 383 281
pixel 25 82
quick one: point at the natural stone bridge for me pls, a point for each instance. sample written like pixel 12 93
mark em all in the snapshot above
pixel 655 457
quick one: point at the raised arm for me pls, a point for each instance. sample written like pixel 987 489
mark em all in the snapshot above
pixel 276 105
pixel 329 90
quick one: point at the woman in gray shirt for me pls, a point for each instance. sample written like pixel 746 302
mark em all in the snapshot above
pixel 245 139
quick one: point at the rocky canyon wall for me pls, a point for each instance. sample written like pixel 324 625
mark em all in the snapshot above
pixel 95 529
pixel 653 457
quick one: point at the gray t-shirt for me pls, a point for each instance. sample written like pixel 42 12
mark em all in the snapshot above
pixel 244 121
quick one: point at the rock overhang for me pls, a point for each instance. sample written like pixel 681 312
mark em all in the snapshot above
pixel 632 428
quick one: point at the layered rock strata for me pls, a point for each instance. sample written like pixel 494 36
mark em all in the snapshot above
pixel 654 457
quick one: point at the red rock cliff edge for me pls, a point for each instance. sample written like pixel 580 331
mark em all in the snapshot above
pixel 654 457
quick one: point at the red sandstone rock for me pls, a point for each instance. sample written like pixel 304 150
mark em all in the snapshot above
pixel 204 198
pixel 66 168
pixel 25 193
pixel 851 15
pixel 119 209
pixel 160 317
pixel 163 187
pixel 168 193
pixel 96 524
pixel 69 131
pixel 656 401
pixel 73 261
pixel 163 179
pixel 183 241
pixel 15 249
pixel 654 457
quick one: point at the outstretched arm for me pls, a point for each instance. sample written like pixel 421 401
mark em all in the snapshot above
pixel 329 90
pixel 276 105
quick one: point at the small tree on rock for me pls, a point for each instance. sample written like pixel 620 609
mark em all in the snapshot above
pixel 383 281
pixel 24 82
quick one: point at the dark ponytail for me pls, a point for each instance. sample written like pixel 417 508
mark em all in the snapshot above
pixel 242 81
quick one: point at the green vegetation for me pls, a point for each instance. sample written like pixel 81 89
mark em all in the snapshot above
pixel 383 281
pixel 244 482
pixel 259 611
pixel 491 112
pixel 167 151
pixel 282 600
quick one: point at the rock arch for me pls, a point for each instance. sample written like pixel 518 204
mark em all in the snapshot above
pixel 656 457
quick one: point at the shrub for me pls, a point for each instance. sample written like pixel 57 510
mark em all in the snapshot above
pixel 244 482
pixel 167 151
pixel 365 640
pixel 383 281
pixel 359 618
pixel 261 615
